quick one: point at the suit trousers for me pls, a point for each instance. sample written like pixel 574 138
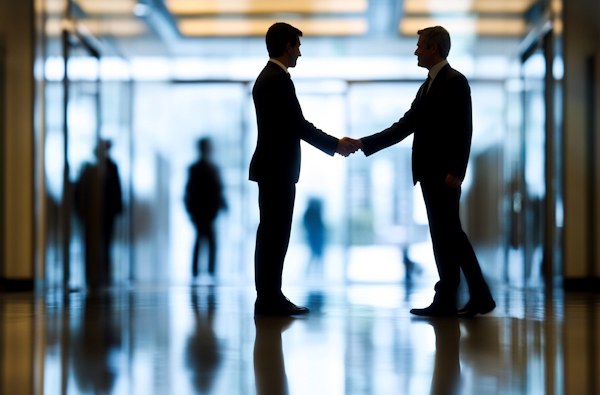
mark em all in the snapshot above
pixel 451 246
pixel 276 203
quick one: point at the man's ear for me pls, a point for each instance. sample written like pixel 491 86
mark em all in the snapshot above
pixel 288 47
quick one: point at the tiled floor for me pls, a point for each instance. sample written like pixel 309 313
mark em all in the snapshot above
pixel 358 339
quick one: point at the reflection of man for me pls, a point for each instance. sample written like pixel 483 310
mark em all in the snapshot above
pixel 95 345
pixel 203 200
pixel 446 368
pixel 269 367
pixel 276 164
pixel 203 353
pixel 441 120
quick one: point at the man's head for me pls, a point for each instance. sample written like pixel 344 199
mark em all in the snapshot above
pixel 205 147
pixel 283 43
pixel 102 148
pixel 433 46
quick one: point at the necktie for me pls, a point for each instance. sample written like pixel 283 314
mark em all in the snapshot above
pixel 426 86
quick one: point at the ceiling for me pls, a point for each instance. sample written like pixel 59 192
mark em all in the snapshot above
pixel 180 19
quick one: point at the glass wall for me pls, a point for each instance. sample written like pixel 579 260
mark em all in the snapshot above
pixel 387 215
pixel 169 120
pixel 534 157
pixel 153 99
pixel 86 145
pixel 533 164
pixel 369 206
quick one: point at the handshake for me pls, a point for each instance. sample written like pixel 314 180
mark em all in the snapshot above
pixel 347 146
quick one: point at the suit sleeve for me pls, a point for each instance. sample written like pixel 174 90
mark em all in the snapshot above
pixel 392 135
pixel 460 124
pixel 299 125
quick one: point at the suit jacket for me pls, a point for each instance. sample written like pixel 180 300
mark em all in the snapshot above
pixel 442 125
pixel 281 126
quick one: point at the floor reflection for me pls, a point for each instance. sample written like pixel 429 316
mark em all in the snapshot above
pixel 93 345
pixel 269 366
pixel 202 352
pixel 446 368
pixel 358 340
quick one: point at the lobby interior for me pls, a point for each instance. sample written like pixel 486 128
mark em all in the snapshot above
pixel 155 76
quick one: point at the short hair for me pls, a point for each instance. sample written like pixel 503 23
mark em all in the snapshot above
pixel 278 36
pixel 204 145
pixel 437 35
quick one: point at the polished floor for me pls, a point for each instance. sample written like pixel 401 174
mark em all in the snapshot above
pixel 359 339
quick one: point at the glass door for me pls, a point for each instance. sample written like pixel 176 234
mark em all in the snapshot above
pixel 533 154
pixel 71 149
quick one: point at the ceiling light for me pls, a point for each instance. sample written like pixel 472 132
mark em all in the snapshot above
pixel 141 10
pixel 465 6
pixel 200 7
pixel 258 27
pixel 53 6
pixel 461 26
pixel 96 27
pixel 112 7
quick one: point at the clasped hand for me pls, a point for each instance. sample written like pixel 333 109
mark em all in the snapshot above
pixel 347 146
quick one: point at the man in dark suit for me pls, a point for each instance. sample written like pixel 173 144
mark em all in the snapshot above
pixel 441 120
pixel 275 165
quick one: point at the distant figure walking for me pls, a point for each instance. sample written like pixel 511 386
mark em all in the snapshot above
pixel 98 201
pixel 315 233
pixel 203 200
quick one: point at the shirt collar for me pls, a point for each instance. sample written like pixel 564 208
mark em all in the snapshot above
pixel 277 62
pixel 433 72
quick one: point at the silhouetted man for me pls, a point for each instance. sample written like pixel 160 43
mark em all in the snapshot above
pixel 98 201
pixel 275 165
pixel 203 200
pixel 441 119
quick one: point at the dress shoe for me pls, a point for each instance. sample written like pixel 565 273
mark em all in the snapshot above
pixel 435 311
pixel 278 307
pixel 472 308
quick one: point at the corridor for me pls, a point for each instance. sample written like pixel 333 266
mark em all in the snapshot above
pixel 103 105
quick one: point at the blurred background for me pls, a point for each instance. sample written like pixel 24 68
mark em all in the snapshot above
pixel 153 77
pixel 102 105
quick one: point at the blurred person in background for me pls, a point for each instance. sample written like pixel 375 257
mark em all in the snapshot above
pixel 275 165
pixel 98 201
pixel 315 234
pixel 203 200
